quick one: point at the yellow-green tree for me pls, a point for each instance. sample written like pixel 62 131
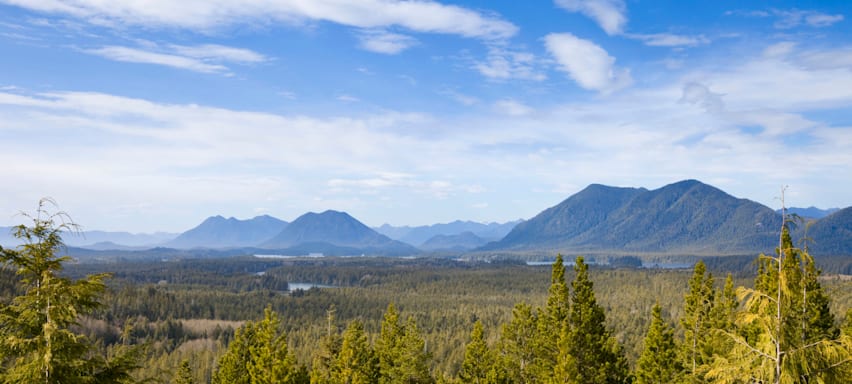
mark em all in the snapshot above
pixel 37 343
pixel 658 363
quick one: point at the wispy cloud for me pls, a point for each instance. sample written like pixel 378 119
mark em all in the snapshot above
pixel 791 18
pixel 204 58
pixel 381 41
pixel 512 108
pixel 215 14
pixel 669 39
pixel 505 64
pixel 587 63
pixel 611 15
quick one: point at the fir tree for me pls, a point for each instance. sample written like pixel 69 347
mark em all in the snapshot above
pixel 323 367
pixel 697 321
pixel 517 350
pixel 594 355
pixel 478 364
pixel 37 344
pixel 356 362
pixel 658 363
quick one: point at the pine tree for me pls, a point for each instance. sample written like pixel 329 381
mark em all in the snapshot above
pixel 550 324
pixel 37 343
pixel 259 355
pixel 478 361
pixel 658 363
pixel 356 362
pixel 323 367
pixel 594 355
pixel 401 351
pixel 517 349
pixel 697 321
pixel 386 345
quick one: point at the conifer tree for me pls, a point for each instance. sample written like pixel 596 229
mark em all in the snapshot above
pixel 595 356
pixel 788 338
pixel 401 351
pixel 323 367
pixel 37 344
pixel 697 321
pixel 356 363
pixel 517 349
pixel 259 355
pixel 658 363
pixel 478 364
pixel 552 321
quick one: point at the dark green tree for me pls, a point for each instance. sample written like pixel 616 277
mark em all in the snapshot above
pixel 37 343
pixel 658 363
pixel 552 321
pixel 593 354
pixel 697 321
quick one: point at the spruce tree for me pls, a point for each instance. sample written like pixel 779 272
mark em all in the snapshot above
pixel 550 324
pixel 478 364
pixel 37 343
pixel 323 366
pixel 658 363
pixel 356 363
pixel 517 348
pixel 697 321
pixel 595 356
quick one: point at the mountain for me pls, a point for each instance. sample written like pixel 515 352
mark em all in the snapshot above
pixel 84 238
pixel 464 241
pixel 832 235
pixel 419 235
pixel 684 217
pixel 219 232
pixel 335 229
pixel 810 212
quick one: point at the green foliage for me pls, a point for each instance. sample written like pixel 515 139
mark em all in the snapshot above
pixel 184 374
pixel 37 340
pixel 324 365
pixel 259 355
pixel 658 363
pixel 788 332
pixel 478 364
pixel 595 356
pixel 401 351
pixel 697 320
pixel 356 363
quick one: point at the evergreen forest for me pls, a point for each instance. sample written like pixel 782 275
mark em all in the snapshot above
pixel 430 320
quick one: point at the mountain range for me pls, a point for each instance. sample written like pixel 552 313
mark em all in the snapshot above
pixel 683 218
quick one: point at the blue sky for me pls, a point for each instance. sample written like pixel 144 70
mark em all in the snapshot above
pixel 145 116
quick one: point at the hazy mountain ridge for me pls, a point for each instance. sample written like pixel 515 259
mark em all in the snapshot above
pixel 219 232
pixel 87 238
pixel 335 229
pixel 464 241
pixel 419 235
pixel 810 212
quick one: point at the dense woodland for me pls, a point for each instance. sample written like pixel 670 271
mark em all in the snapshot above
pixel 386 320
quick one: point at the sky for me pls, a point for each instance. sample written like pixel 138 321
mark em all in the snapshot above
pixel 151 116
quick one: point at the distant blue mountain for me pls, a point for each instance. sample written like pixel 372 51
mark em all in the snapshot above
pixel 810 212
pixel 88 238
pixel 333 230
pixel 461 242
pixel 419 235
pixel 219 232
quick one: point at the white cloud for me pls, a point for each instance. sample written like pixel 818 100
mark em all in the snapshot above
pixel 794 18
pixel 347 98
pixel 461 98
pixel 203 58
pixel 611 15
pixel 133 55
pixel 791 18
pixel 669 40
pixel 587 63
pixel 419 16
pixel 381 41
pixel 219 53
pixel 512 108
pixel 505 64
